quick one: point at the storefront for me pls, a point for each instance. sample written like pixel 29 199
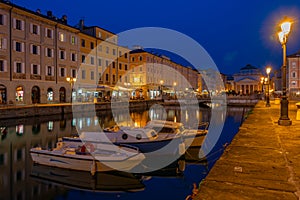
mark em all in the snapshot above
pixel 19 94
pixel 50 94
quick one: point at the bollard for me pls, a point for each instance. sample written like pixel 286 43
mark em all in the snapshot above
pixel 298 111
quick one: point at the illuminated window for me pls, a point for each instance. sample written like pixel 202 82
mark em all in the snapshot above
pixel 62 37
pixel 73 39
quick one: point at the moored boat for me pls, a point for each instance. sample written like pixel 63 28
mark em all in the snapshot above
pixel 146 140
pixel 88 157
pixel 192 137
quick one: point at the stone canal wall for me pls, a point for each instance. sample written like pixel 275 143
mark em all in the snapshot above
pixel 19 111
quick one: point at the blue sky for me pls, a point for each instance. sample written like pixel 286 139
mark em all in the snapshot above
pixel 233 32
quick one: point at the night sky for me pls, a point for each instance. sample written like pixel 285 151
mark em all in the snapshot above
pixel 234 32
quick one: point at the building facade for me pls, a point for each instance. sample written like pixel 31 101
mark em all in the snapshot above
pixel 151 75
pixel 293 74
pixel 35 56
pixel 247 81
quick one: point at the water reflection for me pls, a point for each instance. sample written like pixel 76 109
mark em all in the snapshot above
pixel 19 135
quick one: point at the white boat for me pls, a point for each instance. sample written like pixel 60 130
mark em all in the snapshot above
pixel 88 157
pixel 146 140
pixel 192 137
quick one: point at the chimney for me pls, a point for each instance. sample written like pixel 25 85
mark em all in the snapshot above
pixel 81 24
pixel 49 14
pixel 64 19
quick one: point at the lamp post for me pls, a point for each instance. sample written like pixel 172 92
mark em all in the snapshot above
pixel 268 70
pixel 71 80
pixel 161 87
pixel 283 35
pixel 174 84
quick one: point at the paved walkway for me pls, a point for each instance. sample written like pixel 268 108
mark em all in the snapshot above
pixel 262 162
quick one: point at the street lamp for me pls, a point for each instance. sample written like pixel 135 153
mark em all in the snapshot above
pixel 268 70
pixel 71 80
pixel 283 35
pixel 174 84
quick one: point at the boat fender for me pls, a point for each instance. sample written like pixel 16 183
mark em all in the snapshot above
pixel 181 148
pixel 93 168
pixel 89 147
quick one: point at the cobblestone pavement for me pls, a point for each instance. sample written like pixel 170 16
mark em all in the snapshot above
pixel 262 162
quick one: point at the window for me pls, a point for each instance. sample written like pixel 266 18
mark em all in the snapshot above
pixel 92 75
pixel 125 55
pixel 83 58
pixel 107 50
pixel 120 66
pixel 62 54
pixel 35 69
pixel 62 72
pixel 49 71
pixel 49 33
pixel 126 68
pixel 18 24
pixel 120 78
pixel 83 74
pixel 99 62
pixel 114 78
pixel 18 46
pixel 1 19
pixel 106 63
pixel 35 49
pixel 92 45
pixel 294 75
pixel 73 40
pixel 92 60
pixel 100 47
pixel 34 29
pixel 120 53
pixel 294 83
pixel 73 56
pixel 3 43
pixel 100 77
pixel 82 42
pixel 49 52
pixel 19 67
pixel 3 66
pixel 114 52
pixel 141 58
pixel 73 72
pixel 106 77
pixel 62 37
pixel 113 65
pixel 132 59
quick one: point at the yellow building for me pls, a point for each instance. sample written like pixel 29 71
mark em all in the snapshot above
pixel 151 74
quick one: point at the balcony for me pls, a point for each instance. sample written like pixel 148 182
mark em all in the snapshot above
pixel 19 76
pixel 35 77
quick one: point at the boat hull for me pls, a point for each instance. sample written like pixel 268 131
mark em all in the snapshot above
pixel 84 163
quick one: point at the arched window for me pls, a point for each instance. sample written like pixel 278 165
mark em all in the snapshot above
pixel 35 94
pixel 2 94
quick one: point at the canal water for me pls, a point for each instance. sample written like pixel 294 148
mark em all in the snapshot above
pixel 21 179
